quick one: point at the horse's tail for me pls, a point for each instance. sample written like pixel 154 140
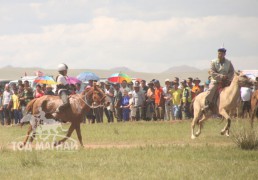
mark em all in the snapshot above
pixel 192 107
pixel 29 108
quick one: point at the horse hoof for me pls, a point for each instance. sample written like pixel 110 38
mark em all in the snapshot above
pixel 56 144
pixel 222 133
pixel 193 137
pixel 197 134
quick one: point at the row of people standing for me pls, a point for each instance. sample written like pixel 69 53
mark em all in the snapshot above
pixel 15 98
pixel 13 102
pixel 142 101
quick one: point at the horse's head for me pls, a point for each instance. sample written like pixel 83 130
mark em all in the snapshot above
pixel 95 97
pixel 244 81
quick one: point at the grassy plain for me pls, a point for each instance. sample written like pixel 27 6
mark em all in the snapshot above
pixel 141 150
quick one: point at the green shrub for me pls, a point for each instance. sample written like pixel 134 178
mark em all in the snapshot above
pixel 246 138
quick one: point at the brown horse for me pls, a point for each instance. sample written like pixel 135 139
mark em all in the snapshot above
pixel 254 106
pixel 80 104
pixel 226 102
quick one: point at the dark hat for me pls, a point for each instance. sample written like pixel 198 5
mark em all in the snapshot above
pixel 190 78
pixel 197 79
pixel 176 79
pixel 107 83
pixel 156 81
pixel 222 49
pixel 183 81
pixel 116 84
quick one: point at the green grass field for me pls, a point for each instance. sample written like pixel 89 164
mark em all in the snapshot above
pixel 141 150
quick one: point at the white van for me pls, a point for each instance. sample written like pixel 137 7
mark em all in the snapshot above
pixel 31 80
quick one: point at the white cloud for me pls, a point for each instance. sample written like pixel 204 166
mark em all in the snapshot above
pixel 156 45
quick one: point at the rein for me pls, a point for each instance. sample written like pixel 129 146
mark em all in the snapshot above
pixel 86 101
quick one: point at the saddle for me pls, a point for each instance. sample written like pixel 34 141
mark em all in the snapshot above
pixel 213 106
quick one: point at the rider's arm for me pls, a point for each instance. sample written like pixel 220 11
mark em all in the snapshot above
pixel 231 72
pixel 214 74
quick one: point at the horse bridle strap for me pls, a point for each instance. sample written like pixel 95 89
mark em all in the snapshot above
pixel 92 107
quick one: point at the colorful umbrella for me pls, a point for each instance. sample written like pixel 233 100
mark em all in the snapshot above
pixel 45 80
pixel 72 80
pixel 86 76
pixel 119 77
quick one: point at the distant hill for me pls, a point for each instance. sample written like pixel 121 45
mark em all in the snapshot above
pixel 120 69
pixel 183 68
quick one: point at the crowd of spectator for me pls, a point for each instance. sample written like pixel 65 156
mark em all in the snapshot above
pixel 148 101
pixel 126 101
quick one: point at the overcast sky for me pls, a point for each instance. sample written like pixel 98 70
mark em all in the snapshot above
pixel 144 35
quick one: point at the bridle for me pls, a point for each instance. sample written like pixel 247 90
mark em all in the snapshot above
pixel 84 99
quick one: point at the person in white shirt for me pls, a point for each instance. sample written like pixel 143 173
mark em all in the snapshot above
pixel 246 94
pixel 62 88
pixel 138 101
pixel 7 95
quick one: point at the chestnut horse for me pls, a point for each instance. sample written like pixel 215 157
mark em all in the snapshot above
pixel 80 104
pixel 254 106
pixel 226 102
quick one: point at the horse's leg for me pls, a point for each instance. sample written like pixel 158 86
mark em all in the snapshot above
pixel 78 131
pixel 27 135
pixel 204 117
pixel 253 112
pixel 69 133
pixel 227 117
pixel 197 115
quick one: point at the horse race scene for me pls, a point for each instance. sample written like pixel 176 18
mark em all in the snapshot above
pixel 128 89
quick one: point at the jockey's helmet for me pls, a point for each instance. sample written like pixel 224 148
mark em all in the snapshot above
pixel 62 67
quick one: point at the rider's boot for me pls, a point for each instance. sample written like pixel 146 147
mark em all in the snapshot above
pixel 65 104
pixel 206 106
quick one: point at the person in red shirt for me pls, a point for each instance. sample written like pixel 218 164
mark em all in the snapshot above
pixel 38 92
pixel 159 100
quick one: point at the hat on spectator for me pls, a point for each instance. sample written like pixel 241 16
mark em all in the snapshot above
pixel 183 81
pixel 130 93
pixel 197 79
pixel 107 83
pixel 116 84
pixel 167 80
pixel 156 81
